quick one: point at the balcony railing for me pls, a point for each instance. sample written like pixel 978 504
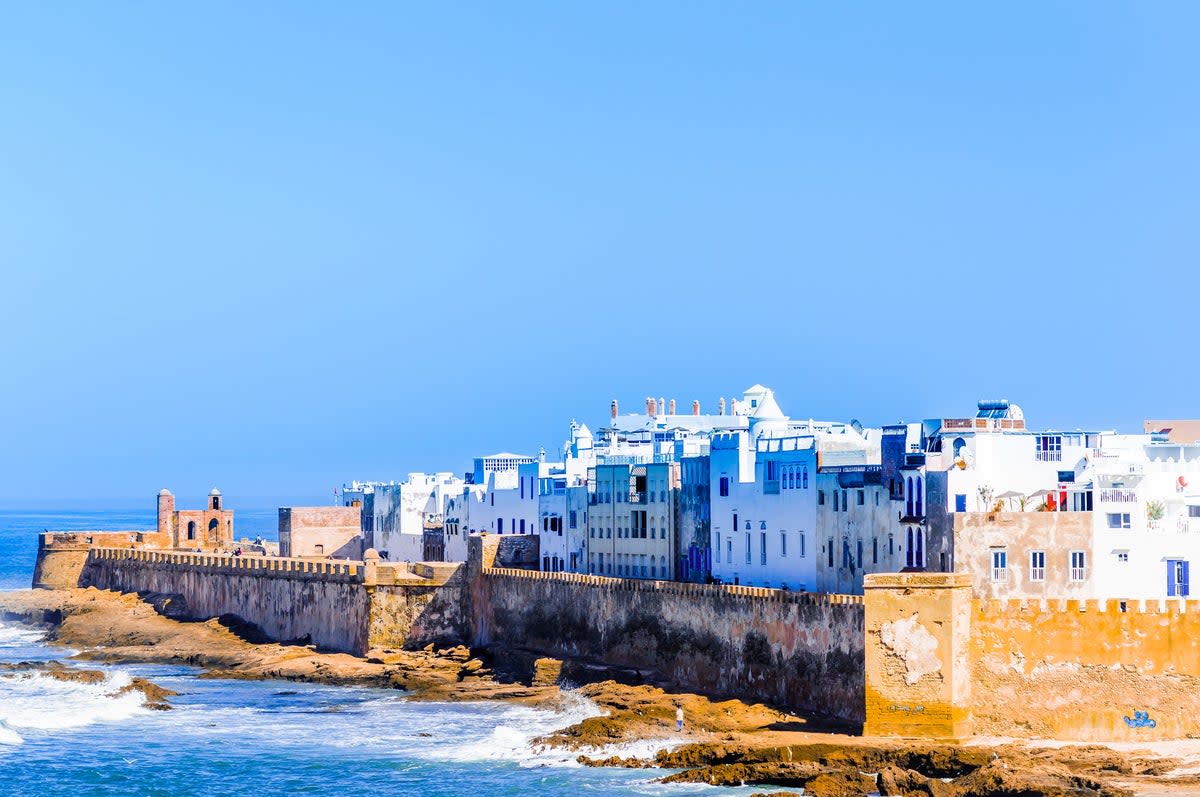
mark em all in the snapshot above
pixel 1049 456
pixel 1116 495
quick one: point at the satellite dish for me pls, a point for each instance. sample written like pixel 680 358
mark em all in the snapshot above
pixel 856 426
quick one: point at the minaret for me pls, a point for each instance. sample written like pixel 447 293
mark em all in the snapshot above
pixel 166 514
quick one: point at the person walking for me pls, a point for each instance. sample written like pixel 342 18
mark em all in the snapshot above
pixel 679 718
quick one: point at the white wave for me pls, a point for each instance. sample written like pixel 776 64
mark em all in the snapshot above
pixel 19 635
pixel 32 701
pixel 511 739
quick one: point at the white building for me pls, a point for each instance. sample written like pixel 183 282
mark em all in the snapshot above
pixel 401 513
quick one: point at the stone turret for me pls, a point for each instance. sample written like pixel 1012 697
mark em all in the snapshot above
pixel 166 513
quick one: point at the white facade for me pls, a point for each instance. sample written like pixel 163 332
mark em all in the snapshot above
pixel 402 511
pixel 763 495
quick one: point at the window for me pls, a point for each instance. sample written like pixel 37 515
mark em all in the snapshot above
pixel 1118 520
pixel 862 497
pixel 762 524
pixel 191 533
pixel 724 486
pixel 522 525
pixel 1177 578
pixel 860 549
pixel 1048 447
pixel 1078 565
pixel 789 479
pixel 1123 556
pixel 1037 565
pixel 804 477
pixel 500 525
pixel 920 502
pixel 1194 511
pixel 592 531
pixel 820 498
pixel 844 504
pixel 908 506
pixel 783 543
pixel 999 565
pixel 747 549
pixel 762 548
pixel 802 544
pixel 729 549
pixel 829 549
pixel 772 470
pixel 717 546
pixel 874 550
pixel 571 518
pixel 960 502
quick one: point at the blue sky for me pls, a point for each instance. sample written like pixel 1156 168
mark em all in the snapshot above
pixel 279 247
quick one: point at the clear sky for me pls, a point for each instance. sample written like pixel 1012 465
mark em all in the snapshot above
pixel 275 246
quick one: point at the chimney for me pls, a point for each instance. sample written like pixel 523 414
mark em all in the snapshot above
pixel 721 405
pixel 695 408
pixel 672 410
pixel 614 409
pixel 662 406
pixel 650 406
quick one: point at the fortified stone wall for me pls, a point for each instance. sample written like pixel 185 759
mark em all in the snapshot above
pixel 1083 670
pixel 799 650
pixel 288 599
pixel 62 554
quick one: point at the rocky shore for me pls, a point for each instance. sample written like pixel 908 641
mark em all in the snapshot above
pixel 727 742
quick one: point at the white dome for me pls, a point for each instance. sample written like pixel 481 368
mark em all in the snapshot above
pixel 214 491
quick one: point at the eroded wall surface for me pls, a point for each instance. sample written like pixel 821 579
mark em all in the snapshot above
pixel 792 649
pixel 289 600
pixel 1086 670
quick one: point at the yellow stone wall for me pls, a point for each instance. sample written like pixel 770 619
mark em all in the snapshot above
pixel 918 674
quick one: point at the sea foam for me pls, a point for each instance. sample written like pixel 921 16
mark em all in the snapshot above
pixel 35 702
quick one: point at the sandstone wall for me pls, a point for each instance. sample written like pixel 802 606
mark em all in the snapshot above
pixel 333 531
pixel 62 554
pixel 289 600
pixel 1082 670
pixel 799 650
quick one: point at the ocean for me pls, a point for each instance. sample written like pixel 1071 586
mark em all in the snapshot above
pixel 261 737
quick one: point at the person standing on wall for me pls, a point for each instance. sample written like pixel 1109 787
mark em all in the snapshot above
pixel 679 718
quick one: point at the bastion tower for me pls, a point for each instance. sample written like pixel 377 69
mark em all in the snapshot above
pixel 166 514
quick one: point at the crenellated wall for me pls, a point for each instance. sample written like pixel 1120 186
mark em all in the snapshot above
pixel 800 650
pixel 1083 670
pixel 288 599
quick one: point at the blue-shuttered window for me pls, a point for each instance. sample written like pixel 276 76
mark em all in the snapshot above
pixel 1177 578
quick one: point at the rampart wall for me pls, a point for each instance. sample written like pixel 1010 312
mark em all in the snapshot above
pixel 324 603
pixel 1083 670
pixel 799 650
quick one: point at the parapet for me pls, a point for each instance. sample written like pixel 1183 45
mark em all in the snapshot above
pixel 679 587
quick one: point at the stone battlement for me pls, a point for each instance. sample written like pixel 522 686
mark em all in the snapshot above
pixel 266 566
pixel 681 588
pixel 997 607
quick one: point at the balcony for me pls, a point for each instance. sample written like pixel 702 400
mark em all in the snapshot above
pixel 1048 456
pixel 637 497
pixel 1117 495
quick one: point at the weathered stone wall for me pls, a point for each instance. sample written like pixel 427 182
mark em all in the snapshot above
pixel 62 554
pixel 288 599
pixel 790 649
pixel 1077 669
pixel 918 675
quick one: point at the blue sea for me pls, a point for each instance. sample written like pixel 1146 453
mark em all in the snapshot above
pixel 263 738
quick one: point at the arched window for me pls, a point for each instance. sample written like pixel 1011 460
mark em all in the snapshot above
pixel 908 504
pixel 789 479
pixel 958 446
pixel 213 526
pixel 747 525
pixel 804 476
pixel 920 557
pixel 920 501
pixel 908 549
pixel 191 530
pixel 499 525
